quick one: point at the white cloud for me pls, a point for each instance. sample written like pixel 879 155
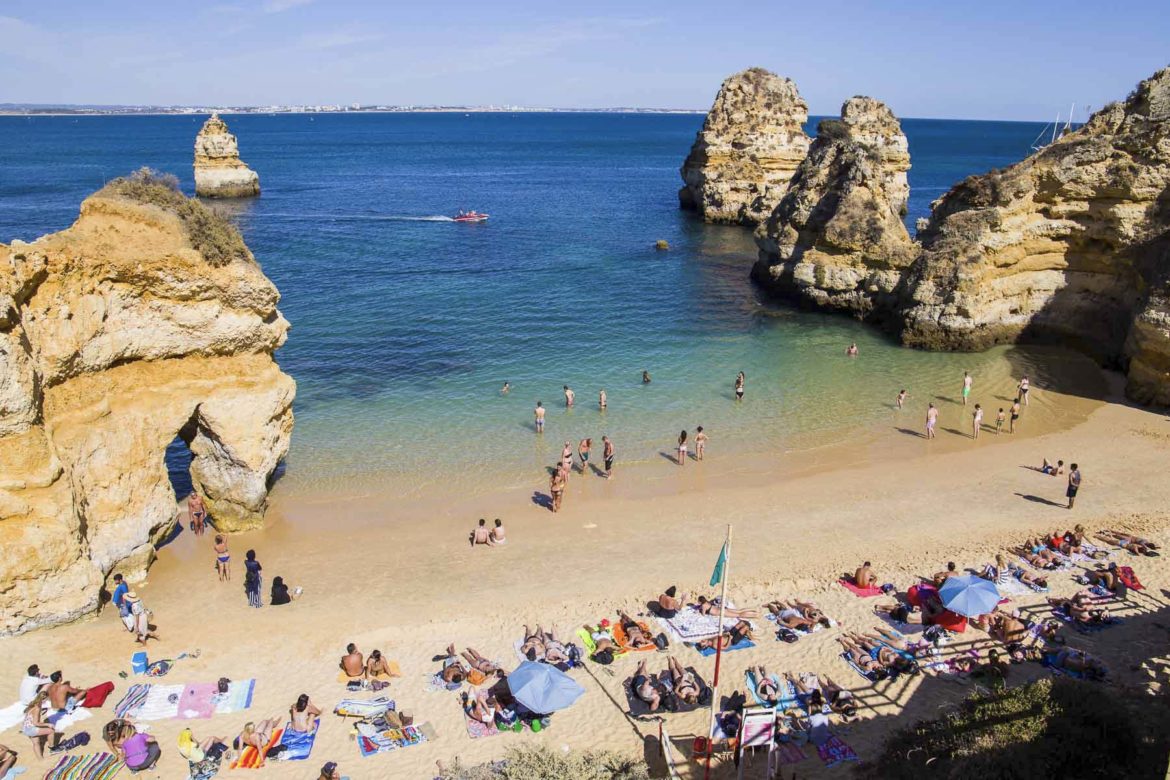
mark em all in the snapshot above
pixel 280 6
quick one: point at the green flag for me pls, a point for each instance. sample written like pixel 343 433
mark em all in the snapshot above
pixel 717 574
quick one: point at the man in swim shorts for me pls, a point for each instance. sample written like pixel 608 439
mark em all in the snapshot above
pixel 607 454
pixel 1074 484
pixel 539 412
pixel 1015 416
pixel 967 382
pixel 931 420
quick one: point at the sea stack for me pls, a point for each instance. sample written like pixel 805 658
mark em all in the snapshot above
pixel 750 145
pixel 146 320
pixel 836 240
pixel 219 171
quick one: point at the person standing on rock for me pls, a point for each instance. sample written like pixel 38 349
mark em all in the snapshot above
pixel 1015 416
pixel 931 420
pixel 1074 484
pixel 197 512
pixel 967 382
pixel 976 421
pixel 569 396
pixel 539 413
pixel 607 455
pixel 1024 386
pixel 252 578
pixel 739 380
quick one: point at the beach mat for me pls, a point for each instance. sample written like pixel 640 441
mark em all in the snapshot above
pixel 11 715
pixel 298 744
pixel 638 708
pixel 835 751
pixel 91 766
pixel 238 697
pixel 862 593
pixel 707 652
pixel 784 690
pixel 132 701
pixel 370 741
pixel 363 708
pixel 251 758
pixel 197 700
pixel 162 702
pixel 789 753
pixel 61 721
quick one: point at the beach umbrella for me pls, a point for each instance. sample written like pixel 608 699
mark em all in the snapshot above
pixel 543 688
pixel 969 595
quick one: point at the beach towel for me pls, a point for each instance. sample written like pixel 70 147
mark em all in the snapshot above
pixel 251 758
pixel 789 753
pixel 237 699
pixel 14 773
pixel 11 716
pixel 477 729
pixel 835 751
pixel 619 636
pixel 371 741
pixel 359 708
pixel 92 766
pixel 298 744
pixel 861 593
pixel 689 624
pixel 96 696
pixel 197 700
pixel 133 700
pixel 785 693
pixel 162 702
pixel 1126 575
pixel 61 721
pixel 707 652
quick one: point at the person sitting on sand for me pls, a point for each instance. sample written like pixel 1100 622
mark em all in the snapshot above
pixel 480 664
pixel 377 665
pixel 942 576
pixel 302 713
pixel 352 663
pixel 36 728
pixel 880 651
pixel 1052 469
pixel 865 577
pixel 635 636
pixel 797 614
pixel 686 685
pixel 766 688
pixel 482 708
pixel 479 534
pixel 281 594
pixel 669 603
pixel 257 735
pixel 1078 661
pixel 644 688
pixel 708 606
pixel 498 535
pixel 740 632
pixel 1127 541
pixel 62 695
pixel 137 749
pixel 1006 628
pixel 997 572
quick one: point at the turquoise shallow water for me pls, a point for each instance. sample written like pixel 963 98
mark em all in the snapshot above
pixel 405 324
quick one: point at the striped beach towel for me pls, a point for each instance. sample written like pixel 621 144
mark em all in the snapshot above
pixel 132 701
pixel 237 699
pixel 92 766
pixel 251 758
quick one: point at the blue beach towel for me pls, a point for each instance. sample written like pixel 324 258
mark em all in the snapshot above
pixel 707 652
pixel 298 744
pixel 871 676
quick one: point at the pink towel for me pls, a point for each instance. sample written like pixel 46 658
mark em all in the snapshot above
pixel 861 593
pixel 196 700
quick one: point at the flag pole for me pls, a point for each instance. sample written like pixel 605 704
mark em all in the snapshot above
pixel 718 652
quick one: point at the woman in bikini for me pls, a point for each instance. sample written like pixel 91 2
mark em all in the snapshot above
pixel 682 448
pixel 797 614
pixel 302 713
pixel 862 659
pixel 766 687
pixel 1131 542
pixel 686 687
pixel 222 558
pixel 377 664
pixel 739 380
pixel 533 645
pixel 258 735
pixel 886 656
pixel 711 607
pixel 740 632
pixel 479 663
pixel 1027 577
pixel 555 651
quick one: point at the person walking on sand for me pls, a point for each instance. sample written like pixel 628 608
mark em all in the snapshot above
pixel 931 420
pixel 539 413
pixel 1023 388
pixel 851 351
pixel 700 443
pixel 682 448
pixel 569 396
pixel 976 421
pixel 902 395
pixel 253 581
pixel 607 455
pixel 197 512
pixel 602 399
pixel 222 558
pixel 1074 484
pixel 999 418
pixel 1015 416
pixel 739 379
pixel 967 382
pixel 556 487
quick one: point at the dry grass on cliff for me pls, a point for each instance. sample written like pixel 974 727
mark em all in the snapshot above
pixel 216 238
pixel 542 763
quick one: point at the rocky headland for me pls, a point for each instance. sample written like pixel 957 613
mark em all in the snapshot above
pixel 146 319
pixel 219 171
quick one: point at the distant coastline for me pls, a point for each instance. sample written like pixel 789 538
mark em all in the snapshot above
pixel 33 109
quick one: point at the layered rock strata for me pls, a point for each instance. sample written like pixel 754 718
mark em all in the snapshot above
pixel 117 335
pixel 748 149
pixel 219 171
pixel 837 240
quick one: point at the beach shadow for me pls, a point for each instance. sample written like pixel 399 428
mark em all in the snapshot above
pixel 597 470
pixel 945 398
pixel 542 500
pixel 1039 500
pixel 910 432
pixel 1033 468
pixel 957 432
pixel 668 456
pixel 550 470
pixel 1005 398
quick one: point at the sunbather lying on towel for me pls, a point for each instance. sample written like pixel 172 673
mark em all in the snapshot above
pixel 740 632
pixel 1027 577
pixel 555 651
pixel 900 613
pixel 352 662
pixel 1036 552
pixel 636 637
pixel 1106 578
pixel 862 659
pixel 822 690
pixel 605 648
pixel 1082 608
pixel 797 614
pixel 686 687
pixel 1006 628
pixel 881 652
pixel 481 708
pixel 258 735
pixel 533 646
pixel 1131 542
pixel 1078 661
pixel 669 603
pixel 479 663
pixel 453 671
pixel 889 636
pixel 766 687
pixel 711 607
pixel 645 689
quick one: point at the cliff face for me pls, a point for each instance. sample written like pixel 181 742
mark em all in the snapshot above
pixel 836 240
pixel 750 145
pixel 219 172
pixel 1057 246
pixel 145 319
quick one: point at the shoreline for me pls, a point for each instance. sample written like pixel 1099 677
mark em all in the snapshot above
pixel 400 577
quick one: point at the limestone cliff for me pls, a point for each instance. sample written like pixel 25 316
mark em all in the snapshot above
pixel 750 145
pixel 219 172
pixel 146 319
pixel 836 240
pixel 1057 246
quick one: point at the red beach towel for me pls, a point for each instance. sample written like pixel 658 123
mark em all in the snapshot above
pixel 1126 575
pixel 97 695
pixel 861 593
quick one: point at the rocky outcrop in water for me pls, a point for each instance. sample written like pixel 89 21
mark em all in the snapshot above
pixel 219 171
pixel 750 145
pixel 836 240
pixel 147 319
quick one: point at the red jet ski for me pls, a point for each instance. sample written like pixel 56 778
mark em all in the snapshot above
pixel 470 216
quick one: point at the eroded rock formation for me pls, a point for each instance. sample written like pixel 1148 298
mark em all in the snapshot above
pixel 836 240
pixel 750 145
pixel 146 319
pixel 219 172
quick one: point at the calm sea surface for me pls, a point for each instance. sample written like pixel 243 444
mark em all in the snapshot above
pixel 405 324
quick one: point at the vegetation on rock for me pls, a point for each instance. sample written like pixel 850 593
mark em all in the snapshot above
pixel 542 763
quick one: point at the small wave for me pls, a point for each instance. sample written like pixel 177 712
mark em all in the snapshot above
pixel 358 217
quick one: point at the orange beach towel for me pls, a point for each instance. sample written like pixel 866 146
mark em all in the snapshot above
pixel 251 758
pixel 619 636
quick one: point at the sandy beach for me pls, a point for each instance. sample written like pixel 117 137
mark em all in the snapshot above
pixel 401 577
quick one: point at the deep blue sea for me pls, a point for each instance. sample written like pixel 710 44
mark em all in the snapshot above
pixel 405 324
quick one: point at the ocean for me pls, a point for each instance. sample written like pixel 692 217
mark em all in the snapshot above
pixel 405 325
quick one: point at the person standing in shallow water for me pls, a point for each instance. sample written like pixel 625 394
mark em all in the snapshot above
pixel 931 420
pixel 682 448
pixel 583 453
pixel 967 382
pixel 700 443
pixel 602 399
pixel 253 581
pixel 739 380
pixel 976 421
pixel 569 396
pixel 539 414
pixel 851 351
pixel 607 455
pixel 645 377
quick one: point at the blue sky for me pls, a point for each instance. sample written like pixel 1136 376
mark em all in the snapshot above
pixel 990 60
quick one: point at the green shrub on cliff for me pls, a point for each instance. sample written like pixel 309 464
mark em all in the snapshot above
pixel 542 763
pixel 214 237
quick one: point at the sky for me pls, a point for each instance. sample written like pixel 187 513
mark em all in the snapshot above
pixel 978 60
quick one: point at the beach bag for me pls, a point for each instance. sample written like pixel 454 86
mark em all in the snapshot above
pixel 787 635
pixel 223 685
pixel 661 642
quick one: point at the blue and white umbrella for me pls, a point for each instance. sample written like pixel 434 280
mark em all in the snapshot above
pixel 543 689
pixel 969 595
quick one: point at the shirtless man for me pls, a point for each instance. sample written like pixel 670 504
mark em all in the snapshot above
pixel 902 395
pixel 569 396
pixel 738 633
pixel 967 382
pixel 539 412
pixel 60 692
pixel 352 662
pixel 480 534
pixel 583 453
pixel 669 603
pixel 504 390
pixel 1074 484
pixel 498 535
pixel 602 399
pixel 197 512
pixel 931 420
pixel 556 488
pixel 700 442
pixel 1015 415
pixel 851 351
pixel 1000 416
pixel 942 576
pixel 976 421
pixel 607 455
pixel 644 688
pixel 1048 468
pixel 865 577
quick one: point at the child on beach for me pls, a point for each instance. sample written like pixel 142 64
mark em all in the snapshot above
pixel 700 443
pixel 222 558
pixel 967 382
pixel 682 448
pixel 999 418
pixel 902 395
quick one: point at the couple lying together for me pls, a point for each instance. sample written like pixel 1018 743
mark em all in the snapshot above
pixel 1082 608
pixel 606 647
pixel 478 667
pixel 651 691
pixel 1131 542
pixel 544 646
pixel 879 655
pixel 812 694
